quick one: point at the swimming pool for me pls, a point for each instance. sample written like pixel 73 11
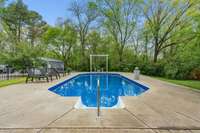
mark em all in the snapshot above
pixel 112 86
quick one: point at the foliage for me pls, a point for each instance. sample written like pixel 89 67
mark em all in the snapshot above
pixel 94 41
pixel 36 26
pixel 60 41
pixel 119 20
pixel 160 37
pixel 183 63
pixel 15 17
pixel 84 16
pixel 25 56
pixel 1 6
pixel 20 23
pixel 167 23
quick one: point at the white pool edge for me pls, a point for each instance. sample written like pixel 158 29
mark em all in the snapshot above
pixel 79 105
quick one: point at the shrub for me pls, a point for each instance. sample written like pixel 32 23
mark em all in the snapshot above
pixel 195 74
pixel 153 69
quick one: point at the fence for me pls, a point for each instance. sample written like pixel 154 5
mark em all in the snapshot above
pixel 8 76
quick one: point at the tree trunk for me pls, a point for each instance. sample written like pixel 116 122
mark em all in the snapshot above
pixel 82 51
pixel 156 50
pixel 155 58
pixel 120 51
pixel 82 40
pixel 19 33
pixel 32 42
pixel 146 47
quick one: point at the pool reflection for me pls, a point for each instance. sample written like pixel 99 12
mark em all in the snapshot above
pixel 111 87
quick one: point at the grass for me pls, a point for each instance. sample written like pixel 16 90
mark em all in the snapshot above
pixel 189 83
pixel 12 81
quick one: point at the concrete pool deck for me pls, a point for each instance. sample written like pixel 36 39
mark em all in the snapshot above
pixel 164 108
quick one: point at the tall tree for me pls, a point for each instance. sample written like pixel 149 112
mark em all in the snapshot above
pixel 167 23
pixel 93 41
pixel 15 17
pixel 120 18
pixel 84 15
pixel 60 41
pixel 1 12
pixel 1 6
pixel 136 42
pixel 194 13
pixel 36 26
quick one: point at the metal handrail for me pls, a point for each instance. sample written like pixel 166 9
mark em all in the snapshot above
pixel 98 98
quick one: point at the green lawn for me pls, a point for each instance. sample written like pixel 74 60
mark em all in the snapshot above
pixel 12 81
pixel 189 83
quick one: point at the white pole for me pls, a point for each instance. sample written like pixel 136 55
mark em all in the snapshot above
pixel 107 63
pixel 90 63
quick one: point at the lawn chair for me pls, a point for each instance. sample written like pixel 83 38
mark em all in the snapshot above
pixel 53 72
pixel 37 74
pixel 61 71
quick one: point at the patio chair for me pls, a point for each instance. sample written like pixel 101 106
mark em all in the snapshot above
pixel 61 71
pixel 37 74
pixel 53 72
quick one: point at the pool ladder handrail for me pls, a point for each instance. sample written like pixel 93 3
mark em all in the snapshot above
pixel 98 98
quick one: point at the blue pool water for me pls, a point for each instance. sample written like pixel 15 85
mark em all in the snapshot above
pixel 111 87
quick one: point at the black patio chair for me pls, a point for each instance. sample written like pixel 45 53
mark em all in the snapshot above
pixel 53 72
pixel 34 73
pixel 61 71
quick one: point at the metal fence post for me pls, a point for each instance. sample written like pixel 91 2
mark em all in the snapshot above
pixel 7 73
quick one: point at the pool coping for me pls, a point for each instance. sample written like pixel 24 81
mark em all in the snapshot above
pixel 114 73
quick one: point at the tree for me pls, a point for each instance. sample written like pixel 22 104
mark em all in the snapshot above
pixel 136 42
pixel 15 17
pixel 1 6
pixel 60 41
pixel 119 19
pixel 84 16
pixel 167 23
pixel 194 13
pixel 93 41
pixel 145 43
pixel 36 26
pixel 25 56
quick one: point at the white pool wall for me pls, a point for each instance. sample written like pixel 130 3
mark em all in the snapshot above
pixel 79 105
